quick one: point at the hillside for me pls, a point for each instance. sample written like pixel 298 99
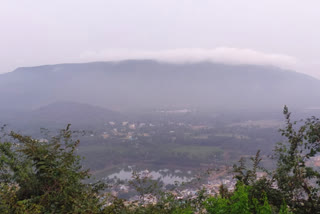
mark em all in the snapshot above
pixel 59 114
pixel 141 84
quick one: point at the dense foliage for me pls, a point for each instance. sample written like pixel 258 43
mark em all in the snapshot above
pixel 39 176
pixel 44 177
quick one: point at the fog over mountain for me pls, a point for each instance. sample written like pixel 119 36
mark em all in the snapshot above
pixel 147 84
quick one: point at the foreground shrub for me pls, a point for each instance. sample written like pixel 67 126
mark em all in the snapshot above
pixel 45 176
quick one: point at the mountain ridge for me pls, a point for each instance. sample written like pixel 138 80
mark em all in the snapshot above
pixel 150 84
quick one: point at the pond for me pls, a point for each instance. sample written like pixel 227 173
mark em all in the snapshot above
pixel 165 175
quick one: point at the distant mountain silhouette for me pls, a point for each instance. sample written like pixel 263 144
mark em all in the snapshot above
pixel 70 112
pixel 140 84
pixel 60 114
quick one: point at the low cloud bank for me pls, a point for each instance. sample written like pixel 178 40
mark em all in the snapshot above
pixel 220 55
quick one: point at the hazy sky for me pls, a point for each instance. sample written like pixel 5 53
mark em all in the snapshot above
pixel 279 32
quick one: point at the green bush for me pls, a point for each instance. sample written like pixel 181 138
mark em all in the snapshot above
pixel 45 177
